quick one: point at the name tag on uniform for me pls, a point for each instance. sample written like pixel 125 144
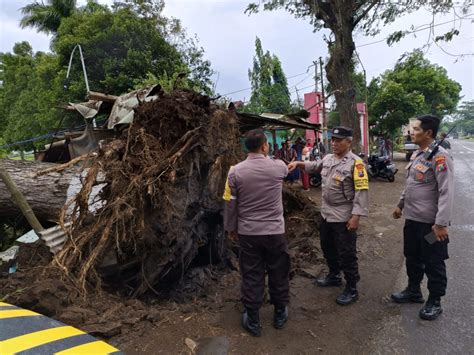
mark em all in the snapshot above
pixel 421 168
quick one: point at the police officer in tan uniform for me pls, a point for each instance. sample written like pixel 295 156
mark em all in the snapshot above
pixel 426 203
pixel 253 215
pixel 344 200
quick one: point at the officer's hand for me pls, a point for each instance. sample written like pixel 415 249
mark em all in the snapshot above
pixel 233 236
pixel 397 213
pixel 441 232
pixel 292 166
pixel 353 224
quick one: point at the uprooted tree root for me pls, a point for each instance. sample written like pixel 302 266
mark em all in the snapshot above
pixel 161 196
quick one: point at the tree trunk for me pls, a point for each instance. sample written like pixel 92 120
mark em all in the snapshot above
pixel 46 194
pixel 339 71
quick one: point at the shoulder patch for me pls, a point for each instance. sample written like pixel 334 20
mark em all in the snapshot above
pixel 361 180
pixel 227 193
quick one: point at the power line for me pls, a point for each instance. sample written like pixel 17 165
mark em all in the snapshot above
pixel 427 27
pixel 289 77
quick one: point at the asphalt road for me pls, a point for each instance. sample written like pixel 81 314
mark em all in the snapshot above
pixel 453 331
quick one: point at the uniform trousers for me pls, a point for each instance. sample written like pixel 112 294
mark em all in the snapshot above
pixel 424 258
pixel 340 251
pixel 262 253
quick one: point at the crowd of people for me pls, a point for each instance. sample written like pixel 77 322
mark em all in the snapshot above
pixel 301 150
pixel 254 218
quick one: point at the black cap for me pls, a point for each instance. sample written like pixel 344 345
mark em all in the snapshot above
pixel 341 132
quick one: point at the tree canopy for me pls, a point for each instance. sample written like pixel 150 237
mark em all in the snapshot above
pixel 463 119
pixel 125 46
pixel 269 85
pixel 46 17
pixel 415 86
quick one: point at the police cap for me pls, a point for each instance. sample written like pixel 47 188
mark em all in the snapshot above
pixel 341 132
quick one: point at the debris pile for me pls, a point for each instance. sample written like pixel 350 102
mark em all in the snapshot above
pixel 162 206
pixel 156 226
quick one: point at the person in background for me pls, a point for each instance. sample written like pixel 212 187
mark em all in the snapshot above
pixel 253 215
pixel 276 151
pixel 305 158
pixel 288 155
pixel 322 148
pixel 298 147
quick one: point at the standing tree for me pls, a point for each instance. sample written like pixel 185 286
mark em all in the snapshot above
pixel 415 86
pixel 342 18
pixel 269 85
pixel 464 118
pixel 47 17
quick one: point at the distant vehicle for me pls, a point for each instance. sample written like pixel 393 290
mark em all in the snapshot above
pixel 408 146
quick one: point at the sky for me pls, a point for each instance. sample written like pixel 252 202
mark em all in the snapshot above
pixel 228 37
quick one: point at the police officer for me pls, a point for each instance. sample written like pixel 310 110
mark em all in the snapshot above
pixel 344 199
pixel 426 203
pixel 254 216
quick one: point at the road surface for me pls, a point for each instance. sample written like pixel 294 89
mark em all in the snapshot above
pixel 453 332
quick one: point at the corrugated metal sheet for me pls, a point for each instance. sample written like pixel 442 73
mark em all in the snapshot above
pixel 54 237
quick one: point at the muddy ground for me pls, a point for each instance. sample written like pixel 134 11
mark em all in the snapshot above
pixel 317 323
pixel 206 303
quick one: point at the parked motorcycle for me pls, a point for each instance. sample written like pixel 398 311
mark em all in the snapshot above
pixel 381 167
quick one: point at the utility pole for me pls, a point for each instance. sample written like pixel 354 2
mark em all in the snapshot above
pixel 316 78
pixel 298 97
pixel 325 126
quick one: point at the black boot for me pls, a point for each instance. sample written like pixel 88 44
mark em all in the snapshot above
pixel 432 309
pixel 408 295
pixel 348 296
pixel 280 316
pixel 332 279
pixel 251 322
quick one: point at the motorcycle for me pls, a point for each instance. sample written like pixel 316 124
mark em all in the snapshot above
pixel 381 167
pixel 315 180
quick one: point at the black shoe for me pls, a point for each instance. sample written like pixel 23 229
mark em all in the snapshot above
pixel 408 296
pixel 251 322
pixel 431 310
pixel 280 316
pixel 350 295
pixel 331 279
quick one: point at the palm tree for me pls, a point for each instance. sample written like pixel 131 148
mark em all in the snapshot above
pixel 46 17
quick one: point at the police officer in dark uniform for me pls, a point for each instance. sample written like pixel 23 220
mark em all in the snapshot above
pixel 345 199
pixel 426 203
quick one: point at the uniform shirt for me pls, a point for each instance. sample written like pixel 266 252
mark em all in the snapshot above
pixel 254 196
pixel 428 194
pixel 341 197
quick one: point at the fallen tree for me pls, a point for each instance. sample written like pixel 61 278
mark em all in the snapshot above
pixel 162 201
pixel 46 193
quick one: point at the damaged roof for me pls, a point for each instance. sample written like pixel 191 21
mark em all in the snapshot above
pixel 123 111
pixel 272 121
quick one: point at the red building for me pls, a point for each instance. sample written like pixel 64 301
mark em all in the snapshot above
pixel 313 104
